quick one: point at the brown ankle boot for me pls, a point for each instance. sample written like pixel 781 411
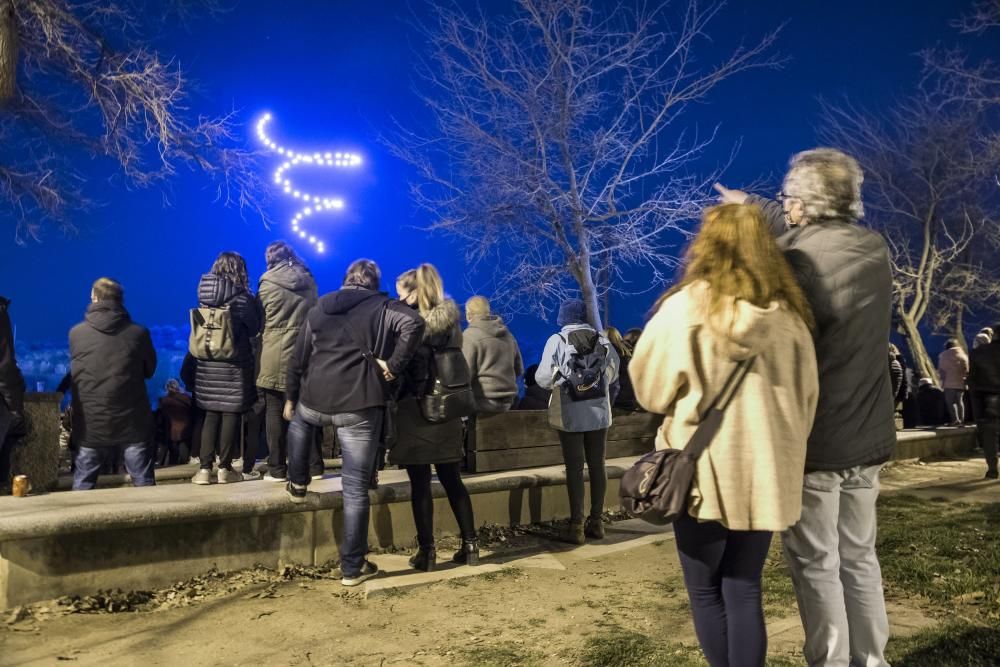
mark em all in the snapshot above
pixel 594 528
pixel 572 533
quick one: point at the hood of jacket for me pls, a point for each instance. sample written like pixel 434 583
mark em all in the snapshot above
pixel 107 317
pixel 293 277
pixel 742 326
pixel 343 300
pixel 216 291
pixel 442 319
pixel 492 326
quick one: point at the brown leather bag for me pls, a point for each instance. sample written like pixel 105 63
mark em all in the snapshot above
pixel 657 486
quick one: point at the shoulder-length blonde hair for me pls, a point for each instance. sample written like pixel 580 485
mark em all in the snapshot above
pixel 426 282
pixel 735 254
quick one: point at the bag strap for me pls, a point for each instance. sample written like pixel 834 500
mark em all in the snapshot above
pixel 356 338
pixel 709 426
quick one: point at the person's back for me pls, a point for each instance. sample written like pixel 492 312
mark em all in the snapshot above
pixel 11 393
pixel 110 360
pixel 953 365
pixel 931 407
pixel 845 272
pixel 493 356
pixel 176 409
pixel 286 293
pixel 984 383
pixel 535 397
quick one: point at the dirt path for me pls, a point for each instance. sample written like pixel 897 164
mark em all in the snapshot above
pixel 537 605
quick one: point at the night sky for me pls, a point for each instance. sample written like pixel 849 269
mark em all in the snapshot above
pixel 335 73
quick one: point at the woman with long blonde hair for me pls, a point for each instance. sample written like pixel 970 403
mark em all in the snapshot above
pixel 420 443
pixel 736 300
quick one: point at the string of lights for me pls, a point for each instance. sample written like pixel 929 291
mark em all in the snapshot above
pixel 312 203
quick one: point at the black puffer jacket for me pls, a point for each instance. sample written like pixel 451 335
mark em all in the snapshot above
pixel 11 381
pixel 110 360
pixel 844 270
pixel 984 381
pixel 417 440
pixel 228 386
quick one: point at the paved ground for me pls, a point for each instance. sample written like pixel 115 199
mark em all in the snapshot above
pixel 531 602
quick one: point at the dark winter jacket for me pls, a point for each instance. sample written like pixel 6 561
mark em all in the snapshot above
pixel 932 410
pixel 896 377
pixel 494 363
pixel 176 415
pixel 984 380
pixel 110 360
pixel 329 372
pixel 417 440
pixel 11 380
pixel 844 270
pixel 228 386
pixel 535 398
pixel 625 398
pixel 286 293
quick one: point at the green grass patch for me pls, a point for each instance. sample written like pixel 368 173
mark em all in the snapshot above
pixel 500 655
pixel 498 575
pixel 958 644
pixel 776 582
pixel 618 647
pixel 948 553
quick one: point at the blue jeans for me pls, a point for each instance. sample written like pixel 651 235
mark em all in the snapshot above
pixel 722 571
pixel 138 462
pixel 358 434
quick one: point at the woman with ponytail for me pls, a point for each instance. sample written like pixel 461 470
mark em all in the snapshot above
pixel 420 443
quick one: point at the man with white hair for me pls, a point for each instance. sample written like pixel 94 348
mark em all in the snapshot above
pixel 845 272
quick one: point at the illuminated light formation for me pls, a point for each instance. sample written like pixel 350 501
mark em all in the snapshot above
pixel 312 203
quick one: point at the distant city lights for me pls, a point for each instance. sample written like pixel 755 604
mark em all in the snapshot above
pixel 312 203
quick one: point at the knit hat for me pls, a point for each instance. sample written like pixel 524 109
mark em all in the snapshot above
pixel 477 308
pixel 572 311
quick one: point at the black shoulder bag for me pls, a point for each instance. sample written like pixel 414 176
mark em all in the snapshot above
pixel 657 486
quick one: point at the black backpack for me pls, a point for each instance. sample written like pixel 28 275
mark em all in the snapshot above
pixel 449 394
pixel 583 369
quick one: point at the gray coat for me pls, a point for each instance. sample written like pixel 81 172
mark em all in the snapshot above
pixel 494 363
pixel 286 293
pixel 844 270
pixel 565 414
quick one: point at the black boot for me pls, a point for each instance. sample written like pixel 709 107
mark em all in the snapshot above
pixel 425 559
pixel 468 554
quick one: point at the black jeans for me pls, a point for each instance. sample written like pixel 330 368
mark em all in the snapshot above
pixel 277 437
pixel 220 430
pixel 722 570
pixel 988 432
pixel 579 447
pixel 422 500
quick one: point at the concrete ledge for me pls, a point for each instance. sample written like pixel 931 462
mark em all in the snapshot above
pixel 78 542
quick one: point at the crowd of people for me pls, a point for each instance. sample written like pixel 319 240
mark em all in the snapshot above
pixel 792 286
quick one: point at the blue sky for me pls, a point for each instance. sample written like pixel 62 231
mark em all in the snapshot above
pixel 335 73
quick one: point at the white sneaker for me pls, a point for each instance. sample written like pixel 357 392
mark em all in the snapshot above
pixel 202 477
pixel 368 571
pixel 319 476
pixel 271 478
pixel 229 476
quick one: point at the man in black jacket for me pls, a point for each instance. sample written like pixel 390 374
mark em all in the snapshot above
pixel 353 341
pixel 984 383
pixel 110 360
pixel 844 270
pixel 11 394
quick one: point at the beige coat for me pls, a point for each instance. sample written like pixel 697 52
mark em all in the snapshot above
pixel 750 477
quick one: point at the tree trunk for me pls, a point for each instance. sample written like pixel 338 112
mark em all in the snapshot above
pixel 959 328
pixel 922 361
pixel 8 50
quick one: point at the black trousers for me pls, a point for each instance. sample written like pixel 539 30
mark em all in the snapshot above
pixel 422 500
pixel 578 448
pixel 276 429
pixel 220 431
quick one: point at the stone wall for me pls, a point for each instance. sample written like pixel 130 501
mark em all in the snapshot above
pixel 37 454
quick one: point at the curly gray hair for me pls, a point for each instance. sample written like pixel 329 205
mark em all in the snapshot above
pixel 828 182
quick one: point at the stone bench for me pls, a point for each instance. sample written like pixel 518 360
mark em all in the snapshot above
pixel 142 538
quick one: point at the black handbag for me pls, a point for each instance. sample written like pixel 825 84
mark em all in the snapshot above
pixel 657 486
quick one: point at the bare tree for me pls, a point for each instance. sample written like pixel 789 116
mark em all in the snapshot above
pixel 928 183
pixel 79 78
pixel 558 149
